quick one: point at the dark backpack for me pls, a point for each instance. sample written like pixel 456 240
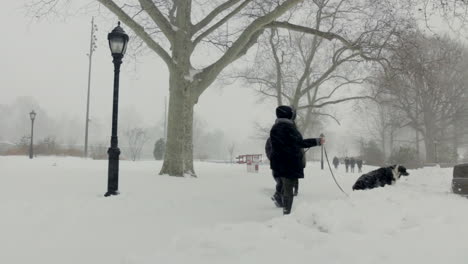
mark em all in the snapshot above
pixel 268 148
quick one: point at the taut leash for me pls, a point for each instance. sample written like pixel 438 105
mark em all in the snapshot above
pixel 337 184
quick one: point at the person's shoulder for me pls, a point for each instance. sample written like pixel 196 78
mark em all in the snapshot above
pixel 283 125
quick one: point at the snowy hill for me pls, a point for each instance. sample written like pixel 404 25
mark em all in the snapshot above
pixel 53 211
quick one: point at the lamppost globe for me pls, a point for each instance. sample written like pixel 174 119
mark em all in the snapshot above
pixel 118 40
pixel 32 115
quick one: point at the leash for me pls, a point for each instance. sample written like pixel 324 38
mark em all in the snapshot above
pixel 329 167
pixel 331 171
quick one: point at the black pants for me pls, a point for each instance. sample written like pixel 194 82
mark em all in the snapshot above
pixel 279 186
pixel 288 193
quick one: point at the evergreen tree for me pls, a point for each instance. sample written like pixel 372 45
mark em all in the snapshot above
pixel 159 148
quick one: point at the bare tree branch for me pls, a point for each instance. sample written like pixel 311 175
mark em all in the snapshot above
pixel 336 102
pixel 325 35
pixel 139 31
pixel 221 22
pixel 153 11
pixel 213 14
pixel 241 45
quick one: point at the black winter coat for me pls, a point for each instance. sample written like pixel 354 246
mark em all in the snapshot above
pixel 287 155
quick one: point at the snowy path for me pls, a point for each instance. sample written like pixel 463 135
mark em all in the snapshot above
pixel 56 214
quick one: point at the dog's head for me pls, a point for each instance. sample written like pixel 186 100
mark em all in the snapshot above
pixel 399 170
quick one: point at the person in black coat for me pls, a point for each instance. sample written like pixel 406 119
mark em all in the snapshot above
pixel 346 162
pixel 352 163
pixel 287 156
pixel 359 165
pixel 336 162
pixel 278 195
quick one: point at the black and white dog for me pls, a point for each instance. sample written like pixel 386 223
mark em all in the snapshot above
pixel 380 177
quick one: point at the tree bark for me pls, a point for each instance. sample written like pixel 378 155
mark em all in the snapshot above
pixel 429 143
pixel 174 157
pixel 188 138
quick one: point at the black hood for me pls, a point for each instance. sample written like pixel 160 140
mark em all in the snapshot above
pixel 285 111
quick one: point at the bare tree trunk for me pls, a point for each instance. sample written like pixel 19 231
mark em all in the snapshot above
pixel 174 157
pixel 430 144
pixel 188 138
pixel 430 134
pixel 418 151
pixel 430 149
pixel 392 140
pixel 455 141
pixel 383 126
pixel 179 149
pixel 178 160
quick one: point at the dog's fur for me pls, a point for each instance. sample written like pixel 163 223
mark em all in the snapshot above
pixel 380 177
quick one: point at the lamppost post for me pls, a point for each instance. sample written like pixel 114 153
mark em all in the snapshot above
pixel 92 48
pixel 32 115
pixel 321 159
pixel 118 44
pixel 435 150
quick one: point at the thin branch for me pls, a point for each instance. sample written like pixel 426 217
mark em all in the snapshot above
pixel 336 102
pixel 220 22
pixel 328 115
pixel 326 35
pixel 212 15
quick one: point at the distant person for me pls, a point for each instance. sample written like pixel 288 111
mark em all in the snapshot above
pixel 287 156
pixel 336 162
pixel 359 165
pixel 352 163
pixel 346 162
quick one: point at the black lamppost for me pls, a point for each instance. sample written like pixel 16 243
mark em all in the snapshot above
pixel 118 45
pixel 321 159
pixel 32 115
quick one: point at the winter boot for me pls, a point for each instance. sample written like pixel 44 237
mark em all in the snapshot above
pixel 277 199
pixel 287 204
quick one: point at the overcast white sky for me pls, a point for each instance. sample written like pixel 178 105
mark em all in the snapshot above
pixel 48 61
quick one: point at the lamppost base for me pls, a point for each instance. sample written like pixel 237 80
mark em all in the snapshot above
pixel 109 193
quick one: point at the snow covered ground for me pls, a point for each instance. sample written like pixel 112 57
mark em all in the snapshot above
pixel 52 211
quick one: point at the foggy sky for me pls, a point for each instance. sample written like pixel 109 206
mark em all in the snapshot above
pixel 48 61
